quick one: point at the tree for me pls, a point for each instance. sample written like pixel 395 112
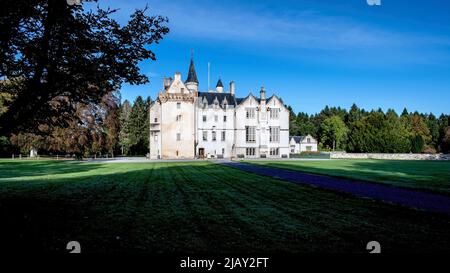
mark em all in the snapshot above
pixel 379 133
pixel 444 122
pixel 112 124
pixel 445 146
pixel 405 112
pixel 433 125
pixel 305 125
pixel 65 55
pixel 5 95
pixel 417 144
pixel 124 134
pixel 334 132
pixel 417 128
pixel 138 127
pixel 395 134
pixel 293 125
pixel 354 114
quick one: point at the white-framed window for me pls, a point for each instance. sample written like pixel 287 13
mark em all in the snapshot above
pixel 250 112
pixel 204 118
pixel 223 151
pixel 216 118
pixel 309 148
pixel 205 135
pixel 178 117
pixel 156 120
pixel 224 118
pixel 250 151
pixel 308 140
pixel 274 134
pixel 274 113
pixel 250 133
pixel 213 135
pixel 223 135
pixel 178 136
pixel 178 105
pixel 274 151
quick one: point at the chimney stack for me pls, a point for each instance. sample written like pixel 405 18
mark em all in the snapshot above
pixel 177 76
pixel 262 94
pixel 167 82
pixel 232 88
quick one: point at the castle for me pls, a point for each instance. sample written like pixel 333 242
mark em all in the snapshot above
pixel 187 123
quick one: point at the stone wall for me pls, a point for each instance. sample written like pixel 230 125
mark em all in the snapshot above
pixel 343 155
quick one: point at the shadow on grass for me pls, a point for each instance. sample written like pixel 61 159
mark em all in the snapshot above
pixel 182 208
pixel 17 168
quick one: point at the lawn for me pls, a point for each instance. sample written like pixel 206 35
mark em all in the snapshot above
pixel 195 207
pixel 424 175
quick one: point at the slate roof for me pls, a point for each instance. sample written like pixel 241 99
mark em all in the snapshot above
pixel 219 83
pixel 239 100
pixel 211 97
pixel 192 75
pixel 299 139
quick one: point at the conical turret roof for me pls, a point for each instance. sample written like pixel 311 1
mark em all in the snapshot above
pixel 192 75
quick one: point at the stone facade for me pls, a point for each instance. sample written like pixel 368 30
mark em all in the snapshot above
pixel 343 155
pixel 186 123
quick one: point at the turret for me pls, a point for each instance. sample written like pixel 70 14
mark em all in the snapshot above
pixel 219 86
pixel 192 81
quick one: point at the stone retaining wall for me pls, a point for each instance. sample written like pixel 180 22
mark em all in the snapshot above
pixel 343 155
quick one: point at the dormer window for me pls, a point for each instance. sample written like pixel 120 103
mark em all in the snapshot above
pixel 274 113
pixel 250 113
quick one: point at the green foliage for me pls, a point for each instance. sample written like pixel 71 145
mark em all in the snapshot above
pixel 124 134
pixel 445 145
pixel 417 144
pixel 378 133
pixel 334 132
pixel 375 131
pixel 6 147
pixel 433 126
pixel 66 55
pixel 138 126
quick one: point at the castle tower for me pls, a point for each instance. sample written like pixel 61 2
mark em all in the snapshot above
pixel 192 81
pixel 219 86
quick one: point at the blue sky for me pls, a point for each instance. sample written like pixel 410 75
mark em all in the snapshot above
pixel 311 53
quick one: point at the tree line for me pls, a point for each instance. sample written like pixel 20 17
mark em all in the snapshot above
pixel 375 131
pixel 109 128
pixel 113 128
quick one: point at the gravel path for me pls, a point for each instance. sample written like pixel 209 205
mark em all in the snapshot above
pixel 411 198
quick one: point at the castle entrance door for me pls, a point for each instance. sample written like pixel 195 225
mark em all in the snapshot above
pixel 201 152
